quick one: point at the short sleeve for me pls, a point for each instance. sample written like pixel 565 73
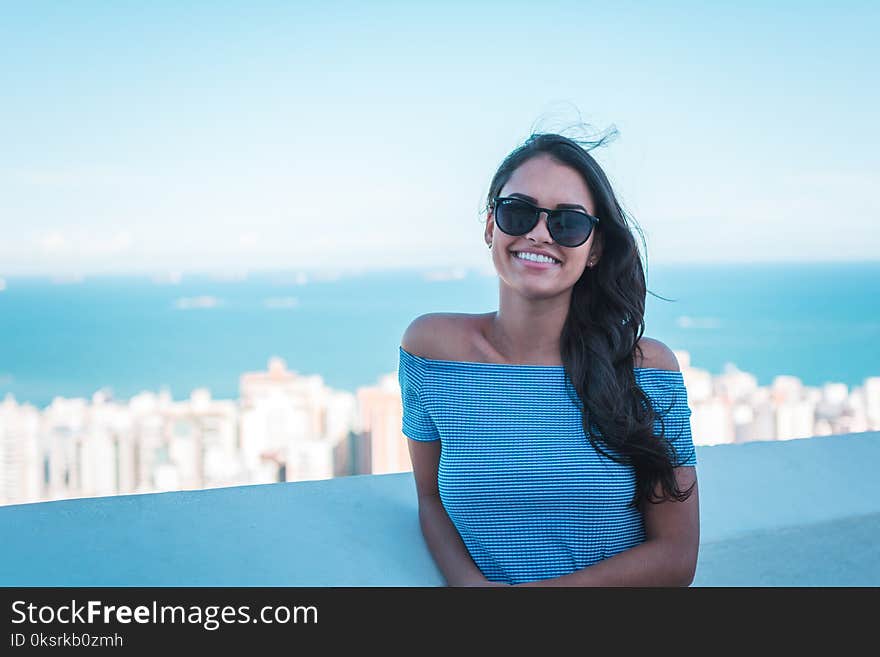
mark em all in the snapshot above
pixel 417 424
pixel 668 395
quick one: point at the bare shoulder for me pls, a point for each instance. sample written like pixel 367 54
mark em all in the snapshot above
pixel 443 336
pixel 425 332
pixel 655 354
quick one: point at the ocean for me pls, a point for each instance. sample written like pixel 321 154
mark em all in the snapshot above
pixel 819 322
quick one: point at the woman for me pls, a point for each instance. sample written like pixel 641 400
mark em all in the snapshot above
pixel 550 442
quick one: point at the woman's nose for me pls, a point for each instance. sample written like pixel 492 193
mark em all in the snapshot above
pixel 541 228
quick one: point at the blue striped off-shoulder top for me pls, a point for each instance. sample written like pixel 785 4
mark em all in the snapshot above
pixel 528 493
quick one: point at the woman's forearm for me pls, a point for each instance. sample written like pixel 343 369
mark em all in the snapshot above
pixel 652 563
pixel 445 544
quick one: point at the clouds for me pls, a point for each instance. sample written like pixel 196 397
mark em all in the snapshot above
pixel 249 240
pixel 305 223
pixel 80 245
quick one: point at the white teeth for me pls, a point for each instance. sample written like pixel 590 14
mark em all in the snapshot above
pixel 534 257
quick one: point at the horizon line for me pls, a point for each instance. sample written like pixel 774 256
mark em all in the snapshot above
pixel 238 272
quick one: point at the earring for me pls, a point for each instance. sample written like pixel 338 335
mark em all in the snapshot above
pixel 490 245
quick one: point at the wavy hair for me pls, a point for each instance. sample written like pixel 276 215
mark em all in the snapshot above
pixel 604 324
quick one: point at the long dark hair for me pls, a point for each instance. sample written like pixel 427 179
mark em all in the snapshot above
pixel 604 325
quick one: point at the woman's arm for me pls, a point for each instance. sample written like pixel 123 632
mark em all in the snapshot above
pixel 441 536
pixel 668 557
pixel 443 539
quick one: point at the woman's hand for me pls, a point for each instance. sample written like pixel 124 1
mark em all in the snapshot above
pixel 483 582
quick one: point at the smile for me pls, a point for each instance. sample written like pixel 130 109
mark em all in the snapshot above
pixel 535 258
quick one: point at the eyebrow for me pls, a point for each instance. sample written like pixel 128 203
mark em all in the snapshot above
pixel 560 206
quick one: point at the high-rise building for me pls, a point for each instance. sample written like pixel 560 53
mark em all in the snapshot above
pixel 291 424
pixel 712 422
pixel 872 402
pixel 21 462
pixel 382 418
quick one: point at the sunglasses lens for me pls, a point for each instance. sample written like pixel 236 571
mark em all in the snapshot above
pixel 515 217
pixel 570 228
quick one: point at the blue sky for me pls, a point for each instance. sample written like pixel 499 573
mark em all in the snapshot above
pixel 172 136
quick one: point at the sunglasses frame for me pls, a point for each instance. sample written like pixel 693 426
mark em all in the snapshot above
pixel 550 213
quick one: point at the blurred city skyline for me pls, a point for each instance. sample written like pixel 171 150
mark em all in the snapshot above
pixel 285 426
pixel 229 137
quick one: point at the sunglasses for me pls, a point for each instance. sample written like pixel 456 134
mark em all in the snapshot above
pixel 567 227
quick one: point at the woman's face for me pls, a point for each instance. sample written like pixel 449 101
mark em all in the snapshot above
pixel 547 184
